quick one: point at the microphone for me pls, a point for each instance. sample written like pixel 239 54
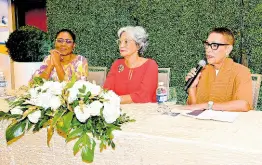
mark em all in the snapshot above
pixel 199 67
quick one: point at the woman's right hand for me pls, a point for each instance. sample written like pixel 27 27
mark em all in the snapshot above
pixel 55 57
pixel 191 74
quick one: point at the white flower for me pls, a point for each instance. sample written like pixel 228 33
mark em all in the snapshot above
pixel 79 84
pixel 112 107
pixel 82 114
pixel 95 89
pixel 95 107
pixel 111 112
pixel 16 111
pixel 34 117
pixel 44 100
pixel 72 95
pixel 33 92
pixel 55 88
pixel 55 102
pixel 111 96
pixel 47 85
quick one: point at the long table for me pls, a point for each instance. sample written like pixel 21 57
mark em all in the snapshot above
pixel 154 139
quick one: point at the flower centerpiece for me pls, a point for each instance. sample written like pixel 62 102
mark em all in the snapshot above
pixel 77 110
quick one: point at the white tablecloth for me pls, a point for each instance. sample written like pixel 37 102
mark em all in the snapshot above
pixel 154 139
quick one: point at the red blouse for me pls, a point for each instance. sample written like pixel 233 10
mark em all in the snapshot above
pixel 140 83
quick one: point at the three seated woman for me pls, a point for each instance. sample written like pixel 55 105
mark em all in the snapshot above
pixel 221 85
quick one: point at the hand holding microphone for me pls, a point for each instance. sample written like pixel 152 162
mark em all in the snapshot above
pixel 193 76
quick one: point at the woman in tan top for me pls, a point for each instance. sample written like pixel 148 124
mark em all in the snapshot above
pixel 222 84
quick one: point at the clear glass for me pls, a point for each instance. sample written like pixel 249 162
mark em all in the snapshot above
pixel 172 95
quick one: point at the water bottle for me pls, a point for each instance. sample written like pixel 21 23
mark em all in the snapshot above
pixel 161 93
pixel 3 85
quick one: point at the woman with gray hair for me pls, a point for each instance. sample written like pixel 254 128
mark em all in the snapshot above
pixel 133 78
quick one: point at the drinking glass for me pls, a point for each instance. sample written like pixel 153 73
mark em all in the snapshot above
pixel 172 95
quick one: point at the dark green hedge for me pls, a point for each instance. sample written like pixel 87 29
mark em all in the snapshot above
pixel 176 29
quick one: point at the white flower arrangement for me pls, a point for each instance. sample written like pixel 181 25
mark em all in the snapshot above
pixel 76 110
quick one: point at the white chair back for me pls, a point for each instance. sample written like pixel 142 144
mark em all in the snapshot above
pixel 97 74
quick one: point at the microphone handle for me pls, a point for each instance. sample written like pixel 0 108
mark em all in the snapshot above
pixel 192 79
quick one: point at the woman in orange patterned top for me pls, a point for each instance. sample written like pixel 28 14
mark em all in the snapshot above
pixel 61 64
pixel 222 84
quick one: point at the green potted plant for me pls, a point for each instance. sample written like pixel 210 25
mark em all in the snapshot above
pixel 27 47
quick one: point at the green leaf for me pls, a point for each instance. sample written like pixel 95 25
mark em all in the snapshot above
pixel 38 81
pixel 50 133
pixel 83 89
pixel 88 152
pixel 16 130
pixel 2 114
pixel 57 116
pixel 113 145
pixel 75 122
pixel 64 124
pixel 102 145
pixel 40 124
pixel 72 82
pixel 79 144
pixel 29 125
pixel 74 134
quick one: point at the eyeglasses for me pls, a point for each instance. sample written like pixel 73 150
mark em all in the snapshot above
pixel 214 46
pixel 61 40
pixel 126 42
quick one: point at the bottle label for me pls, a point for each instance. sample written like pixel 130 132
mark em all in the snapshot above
pixel 161 98
pixel 3 83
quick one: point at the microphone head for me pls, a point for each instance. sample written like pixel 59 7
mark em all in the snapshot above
pixel 202 63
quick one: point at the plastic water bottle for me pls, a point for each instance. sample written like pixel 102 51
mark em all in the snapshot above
pixel 3 85
pixel 161 93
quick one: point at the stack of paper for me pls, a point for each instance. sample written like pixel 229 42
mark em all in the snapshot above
pixel 213 115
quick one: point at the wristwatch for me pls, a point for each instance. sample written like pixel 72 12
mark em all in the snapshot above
pixel 210 105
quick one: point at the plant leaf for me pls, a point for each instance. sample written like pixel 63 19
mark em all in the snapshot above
pixel 88 152
pixel 72 82
pixel 16 130
pixel 57 116
pixel 64 124
pixel 79 144
pixel 41 124
pixel 74 134
pixel 29 125
pixel 50 132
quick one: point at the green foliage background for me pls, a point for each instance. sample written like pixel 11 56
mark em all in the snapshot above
pixel 176 29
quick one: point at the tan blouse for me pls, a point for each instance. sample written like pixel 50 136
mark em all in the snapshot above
pixel 233 82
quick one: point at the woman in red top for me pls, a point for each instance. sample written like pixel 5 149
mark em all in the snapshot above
pixel 133 78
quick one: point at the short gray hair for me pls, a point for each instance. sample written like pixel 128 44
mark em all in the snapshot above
pixel 138 34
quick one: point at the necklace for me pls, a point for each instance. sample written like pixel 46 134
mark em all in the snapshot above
pixel 131 68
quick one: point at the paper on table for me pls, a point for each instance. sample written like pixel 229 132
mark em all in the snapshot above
pixel 214 115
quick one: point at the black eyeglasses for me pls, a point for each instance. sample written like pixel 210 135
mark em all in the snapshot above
pixel 214 46
pixel 61 40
